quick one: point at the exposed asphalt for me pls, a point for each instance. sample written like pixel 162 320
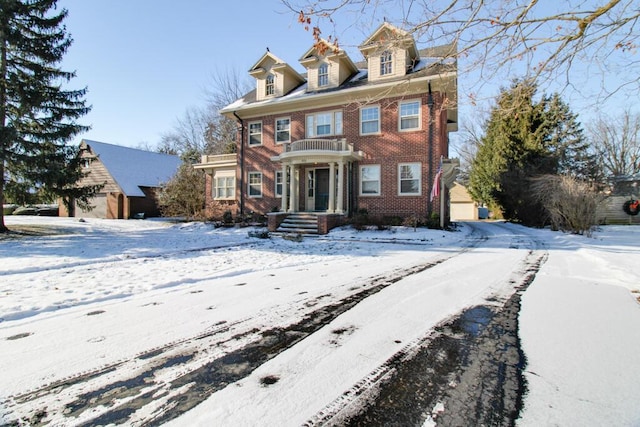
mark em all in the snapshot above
pixel 465 372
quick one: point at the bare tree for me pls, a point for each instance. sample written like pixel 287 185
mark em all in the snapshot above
pixel 616 142
pixel 554 41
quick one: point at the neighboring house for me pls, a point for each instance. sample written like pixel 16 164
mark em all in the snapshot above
pixel 611 209
pixel 130 177
pixel 342 137
pixel 463 208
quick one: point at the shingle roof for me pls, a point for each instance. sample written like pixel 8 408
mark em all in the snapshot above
pixel 132 168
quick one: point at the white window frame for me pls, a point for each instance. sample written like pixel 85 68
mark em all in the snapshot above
pixel 386 63
pixel 228 186
pixel 270 85
pixel 375 169
pixel 323 75
pixel 250 133
pixel 279 131
pixel 278 182
pixel 417 178
pixel 370 119
pixel 412 116
pixel 254 179
pixel 335 125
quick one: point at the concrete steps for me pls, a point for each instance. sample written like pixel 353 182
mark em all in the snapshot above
pixel 300 223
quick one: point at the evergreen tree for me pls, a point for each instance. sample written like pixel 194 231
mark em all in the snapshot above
pixel 525 139
pixel 37 117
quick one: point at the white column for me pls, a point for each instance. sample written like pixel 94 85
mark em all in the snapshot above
pixel 285 195
pixel 293 205
pixel 332 187
pixel 340 207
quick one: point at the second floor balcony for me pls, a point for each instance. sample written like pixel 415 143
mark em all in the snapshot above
pixel 318 150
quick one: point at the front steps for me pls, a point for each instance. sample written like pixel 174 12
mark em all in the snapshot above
pixel 300 223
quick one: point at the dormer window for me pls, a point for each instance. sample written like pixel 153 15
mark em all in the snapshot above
pixel 386 63
pixel 323 75
pixel 270 85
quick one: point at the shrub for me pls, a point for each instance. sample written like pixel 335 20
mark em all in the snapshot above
pixel 569 203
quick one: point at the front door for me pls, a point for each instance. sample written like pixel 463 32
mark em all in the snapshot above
pixel 321 190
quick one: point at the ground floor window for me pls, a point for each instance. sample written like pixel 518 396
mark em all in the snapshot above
pixel 370 180
pixel 279 183
pixel 409 179
pixel 255 184
pixel 224 187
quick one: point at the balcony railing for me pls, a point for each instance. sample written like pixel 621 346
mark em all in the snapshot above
pixel 219 158
pixel 318 145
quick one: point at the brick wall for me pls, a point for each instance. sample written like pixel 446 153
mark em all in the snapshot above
pixel 388 149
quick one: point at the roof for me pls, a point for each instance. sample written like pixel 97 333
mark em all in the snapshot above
pixel 428 66
pixel 132 168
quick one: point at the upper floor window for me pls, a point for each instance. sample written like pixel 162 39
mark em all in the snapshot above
pixel 270 85
pixel 255 184
pixel 255 133
pixel 324 124
pixel 370 120
pixel 409 179
pixel 409 115
pixel 323 75
pixel 283 130
pixel 386 63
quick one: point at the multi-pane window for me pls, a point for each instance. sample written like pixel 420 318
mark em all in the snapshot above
pixel 255 133
pixel 323 75
pixel 280 183
pixel 324 124
pixel 283 130
pixel 410 115
pixel 386 63
pixel 255 184
pixel 409 178
pixel 370 180
pixel 369 120
pixel 224 187
pixel 270 85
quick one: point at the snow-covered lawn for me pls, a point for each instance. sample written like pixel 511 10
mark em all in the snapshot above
pixel 100 293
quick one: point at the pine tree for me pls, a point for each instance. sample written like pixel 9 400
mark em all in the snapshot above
pixel 526 138
pixel 37 117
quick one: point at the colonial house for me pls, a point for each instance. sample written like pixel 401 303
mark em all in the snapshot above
pixel 343 136
pixel 130 177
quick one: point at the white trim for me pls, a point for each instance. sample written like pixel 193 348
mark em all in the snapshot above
pixel 400 117
pixel 360 181
pixel 379 120
pixel 275 126
pixel 249 133
pixel 249 174
pixel 418 178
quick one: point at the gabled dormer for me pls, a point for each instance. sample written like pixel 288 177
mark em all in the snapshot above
pixel 327 66
pixel 274 77
pixel 390 52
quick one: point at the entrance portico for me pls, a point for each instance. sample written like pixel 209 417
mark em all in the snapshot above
pixel 325 160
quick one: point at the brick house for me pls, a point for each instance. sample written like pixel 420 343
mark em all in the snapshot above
pixel 130 177
pixel 343 137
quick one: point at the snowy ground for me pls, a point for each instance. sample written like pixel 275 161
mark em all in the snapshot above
pixel 83 310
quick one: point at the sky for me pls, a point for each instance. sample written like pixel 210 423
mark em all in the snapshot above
pixel 146 62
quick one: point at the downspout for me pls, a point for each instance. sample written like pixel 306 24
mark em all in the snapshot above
pixel 430 144
pixel 241 164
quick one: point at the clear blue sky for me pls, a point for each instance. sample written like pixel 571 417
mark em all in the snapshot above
pixel 146 61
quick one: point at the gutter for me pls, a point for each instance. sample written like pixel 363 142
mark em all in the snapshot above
pixel 430 144
pixel 241 153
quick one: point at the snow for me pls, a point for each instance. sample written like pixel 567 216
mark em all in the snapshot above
pixel 101 292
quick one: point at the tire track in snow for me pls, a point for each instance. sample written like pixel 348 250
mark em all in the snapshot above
pixel 182 374
pixel 458 375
